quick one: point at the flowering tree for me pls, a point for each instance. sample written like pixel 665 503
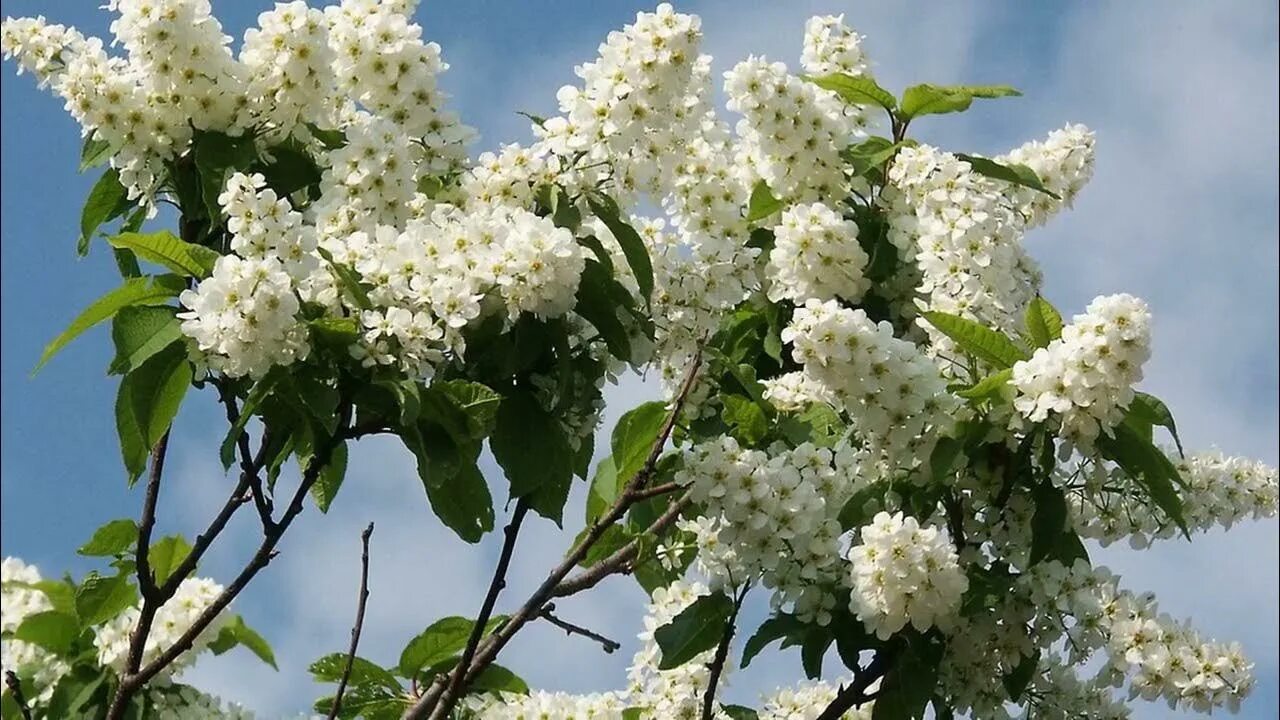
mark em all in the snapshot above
pixel 870 413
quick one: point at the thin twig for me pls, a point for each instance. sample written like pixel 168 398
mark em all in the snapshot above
pixel 355 629
pixel 716 667
pixel 571 629
pixel 496 586
pixel 439 699
pixel 855 693
pixel 655 491
pixel 152 596
pixel 15 687
pixel 248 467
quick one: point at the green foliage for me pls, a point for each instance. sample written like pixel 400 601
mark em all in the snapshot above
pixel 134 292
pixel 1043 322
pixel 777 627
pixel 868 158
pixel 1049 521
pixel 1017 680
pixel 1147 411
pixel 1149 467
pixel 990 346
pixel 696 629
pixel 629 240
pixel 139 332
pixel 363 672
pixel 94 152
pixel 164 248
pixel 498 679
pixel 236 632
pixel 217 156
pixel 908 685
pixel 746 421
pixel 860 90
pixel 926 99
pixel 147 402
pixel 166 555
pixel 605 486
pixel 762 203
pixel 107 200
pixel 599 299
pixel 52 630
pixel 739 712
pixel 330 480
pixel 633 439
pixel 1011 173
pixel 99 599
pixel 114 538
pixel 532 449
pixel 445 638
pixel 989 387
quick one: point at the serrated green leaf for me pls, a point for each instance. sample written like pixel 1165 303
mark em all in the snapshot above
pixel 1043 322
pixel 113 538
pixel 139 332
pixel 813 649
pixel 926 99
pixel 604 489
pixel 1012 173
pixel 329 669
pixel 856 90
pixel 251 640
pixel 633 439
pixel 1150 409
pixel 146 403
pixel 695 630
pixel 134 291
pixel 217 156
pixel 775 628
pixel 348 280
pixel 99 599
pixel 478 403
pixel 989 387
pixel 164 248
pixel 943 457
pixel 443 639
pixel 855 512
pixel 497 679
pixel 980 341
pixel 107 200
pixel 745 418
pixel 762 203
pixel 94 152
pixel 597 301
pixel 530 445
pixel 52 630
pixel 1049 521
pixel 166 555
pixel 330 480
pixel 336 333
pixel 633 247
pixel 908 685
pixel 739 712
pixel 1144 462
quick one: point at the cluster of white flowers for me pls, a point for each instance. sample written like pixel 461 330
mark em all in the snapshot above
pixel 1063 162
pixel 1059 694
pixel 904 573
pixel 816 255
pixel 795 391
pixel 290 68
pixel 19 600
pixel 674 693
pixel 1086 377
pixel 807 700
pixel 1218 490
pixel 983 647
pixel 775 517
pixel 183 702
pixel 547 705
pixel 172 620
pixel 1160 657
pixel 890 389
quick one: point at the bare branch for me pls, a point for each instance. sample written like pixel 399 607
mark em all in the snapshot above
pixel 359 626
pixel 15 687
pixel 621 560
pixel 855 693
pixel 571 629
pixel 249 465
pixel 152 596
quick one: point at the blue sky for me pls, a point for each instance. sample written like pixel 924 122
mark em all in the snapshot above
pixel 1182 211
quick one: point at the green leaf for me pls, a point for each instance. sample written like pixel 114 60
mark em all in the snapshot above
pixel 762 203
pixel 107 200
pixel 258 393
pixel 695 630
pixel 1012 173
pixel 614 538
pixel 1044 323
pixel 739 712
pixel 982 342
pixel 135 291
pixel 1049 521
pixel 462 502
pixel 330 481
pixel 926 99
pixel 633 439
pixel 236 632
pixel 943 457
pixel 166 555
pixel 139 332
pixel 629 240
pixel 908 686
pixel 99 599
pixel 745 418
pixel 445 638
pixel 330 139
pixel 775 628
pixel 349 281
pixel 217 155
pixel 1019 678
pixel 870 155
pixel 52 630
pixel 60 593
pixel 477 402
pixel 989 387
pixel 855 512
pixel 291 170
pixel 533 451
pixel 147 402
pixel 1151 410
pixel 94 152
pixel 329 669
pixel 497 679
pixel 1147 465
pixel 336 333
pixel 813 649
pixel 598 299
pixel 604 489
pixel 859 90
pixel 164 248
pixel 114 538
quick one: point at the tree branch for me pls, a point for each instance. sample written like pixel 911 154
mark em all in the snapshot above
pixel 132 681
pixel 152 596
pixel 722 653
pixel 855 693
pixel 571 629
pixel 250 465
pixel 496 586
pixel 355 629
pixel 15 687
pixel 438 700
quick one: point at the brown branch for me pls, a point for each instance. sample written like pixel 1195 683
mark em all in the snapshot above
pixel 855 693
pixel 653 492
pixel 496 586
pixel 132 681
pixel 15 687
pixel 152 596
pixel 355 629
pixel 722 654
pixel 570 629
pixel 438 700
pixel 250 465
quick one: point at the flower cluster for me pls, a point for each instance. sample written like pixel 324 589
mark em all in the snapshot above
pixel 290 68
pixel 774 516
pixel 674 693
pixel 539 704
pixel 172 620
pixel 1086 377
pixel 904 573
pixel 1063 162
pixel 816 255
pixel 183 702
pixel 19 600
pixel 891 390
pixel 807 700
